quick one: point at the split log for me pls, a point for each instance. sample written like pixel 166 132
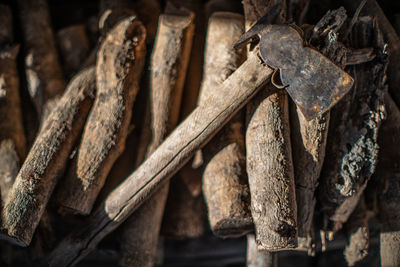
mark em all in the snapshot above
pixel 358 235
pixel 45 79
pixel 119 65
pixel 169 64
pixel 74 47
pixel 12 136
pixel 388 176
pixel 269 159
pixel 257 258
pixel 165 161
pixel 46 160
pixel 351 153
pixel 225 186
pixel 309 136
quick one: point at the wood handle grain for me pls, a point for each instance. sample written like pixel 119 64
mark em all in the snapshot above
pixel 194 132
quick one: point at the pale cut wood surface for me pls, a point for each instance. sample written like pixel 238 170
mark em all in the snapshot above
pixel 201 125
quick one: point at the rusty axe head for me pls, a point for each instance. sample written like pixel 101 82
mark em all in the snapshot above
pixel 313 81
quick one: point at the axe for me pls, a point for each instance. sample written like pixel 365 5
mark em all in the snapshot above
pixel 312 80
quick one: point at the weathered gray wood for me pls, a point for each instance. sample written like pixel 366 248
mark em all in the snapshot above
pixel 165 161
pixel 269 158
pixel 225 186
pixel 46 160
pixel 168 65
pixel 119 65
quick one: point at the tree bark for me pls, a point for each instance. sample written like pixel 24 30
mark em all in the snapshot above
pixel 165 161
pixel 225 186
pixel 119 65
pixel 45 79
pixel 309 136
pixel 46 160
pixel 169 64
pixel 351 153
pixel 269 159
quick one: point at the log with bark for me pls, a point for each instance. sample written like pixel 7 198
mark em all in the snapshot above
pixel 269 158
pixel 168 65
pixel 119 65
pixel 225 186
pixel 46 160
pixel 352 147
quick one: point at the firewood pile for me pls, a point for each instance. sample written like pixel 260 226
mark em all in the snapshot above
pixel 123 121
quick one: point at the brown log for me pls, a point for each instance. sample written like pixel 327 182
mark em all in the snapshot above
pixel 169 64
pixel 165 161
pixel 358 235
pixel 46 160
pixel 12 136
pixel 119 65
pixel 225 186
pixel 351 153
pixel 74 47
pixel 269 159
pixel 388 176
pixel 257 258
pixel 309 137
pixel 45 79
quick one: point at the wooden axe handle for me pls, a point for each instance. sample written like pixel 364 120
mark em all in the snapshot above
pixel 193 133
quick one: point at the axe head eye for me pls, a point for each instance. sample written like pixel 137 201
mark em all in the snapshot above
pixel 260 28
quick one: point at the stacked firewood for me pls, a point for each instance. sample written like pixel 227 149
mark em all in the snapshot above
pixel 86 109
